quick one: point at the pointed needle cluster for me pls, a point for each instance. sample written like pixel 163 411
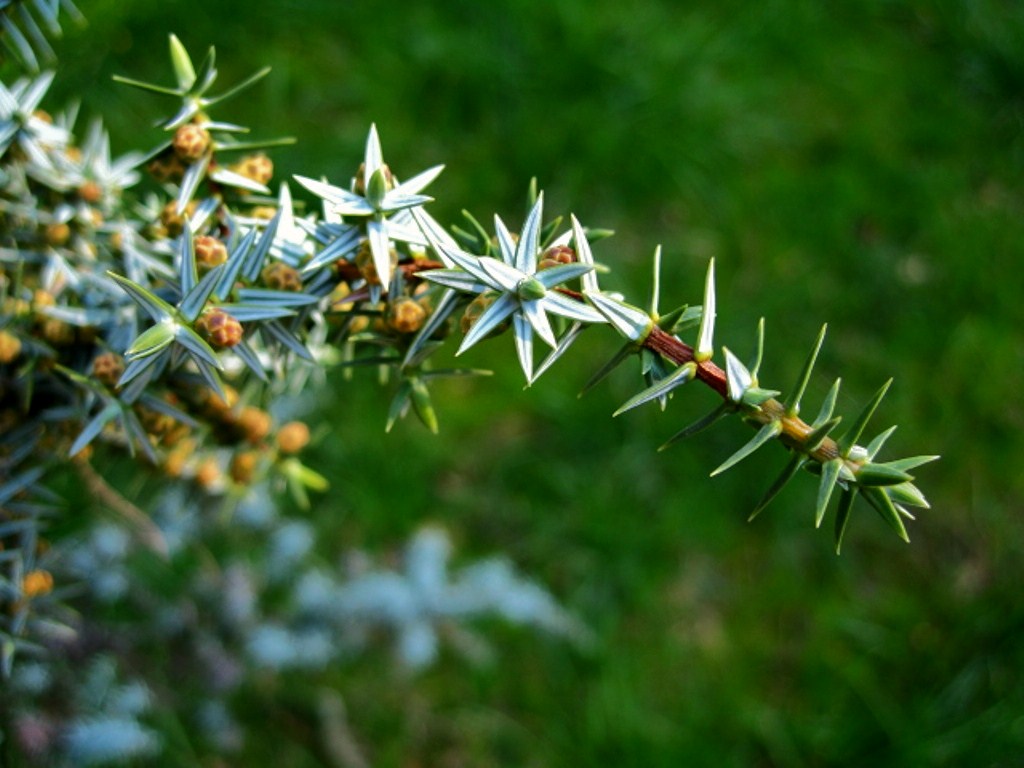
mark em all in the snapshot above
pixel 523 293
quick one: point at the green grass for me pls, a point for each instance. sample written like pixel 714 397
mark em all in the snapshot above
pixel 858 163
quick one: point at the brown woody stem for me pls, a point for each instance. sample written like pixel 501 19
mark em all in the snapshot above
pixel 679 352
pixel 795 430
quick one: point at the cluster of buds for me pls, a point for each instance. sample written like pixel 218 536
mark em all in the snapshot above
pixel 191 142
pixel 406 315
pixel 247 446
pixel 279 276
pixel 108 368
pixel 556 256
pixel 172 220
pixel 256 167
pixel 219 328
pixel 167 167
pixel 210 252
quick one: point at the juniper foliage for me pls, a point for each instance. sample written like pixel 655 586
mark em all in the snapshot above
pixel 177 324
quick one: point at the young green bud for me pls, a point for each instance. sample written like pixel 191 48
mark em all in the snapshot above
pixel 424 408
pixel 378 188
pixel 530 289
pixel 360 188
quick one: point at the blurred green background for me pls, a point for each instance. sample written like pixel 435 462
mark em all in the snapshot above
pixel 857 163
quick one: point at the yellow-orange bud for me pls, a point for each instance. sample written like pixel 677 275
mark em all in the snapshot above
pixel 208 472
pixel 254 423
pixel 107 368
pixel 292 437
pixel 406 315
pixel 191 142
pixel 281 277
pixel 210 252
pixel 258 167
pixel 243 466
pixel 36 583
pixel 219 328
pixel 10 347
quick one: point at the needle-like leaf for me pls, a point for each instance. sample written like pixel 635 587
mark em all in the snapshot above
pixel 879 499
pixel 755 364
pixel 706 334
pixel 791 468
pixel 829 478
pixel 792 404
pixel 843 514
pixel 698 426
pixel 828 406
pixel 848 440
pixel 660 388
pixel 767 433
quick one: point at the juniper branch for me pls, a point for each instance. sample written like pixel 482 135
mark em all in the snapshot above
pixel 795 431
